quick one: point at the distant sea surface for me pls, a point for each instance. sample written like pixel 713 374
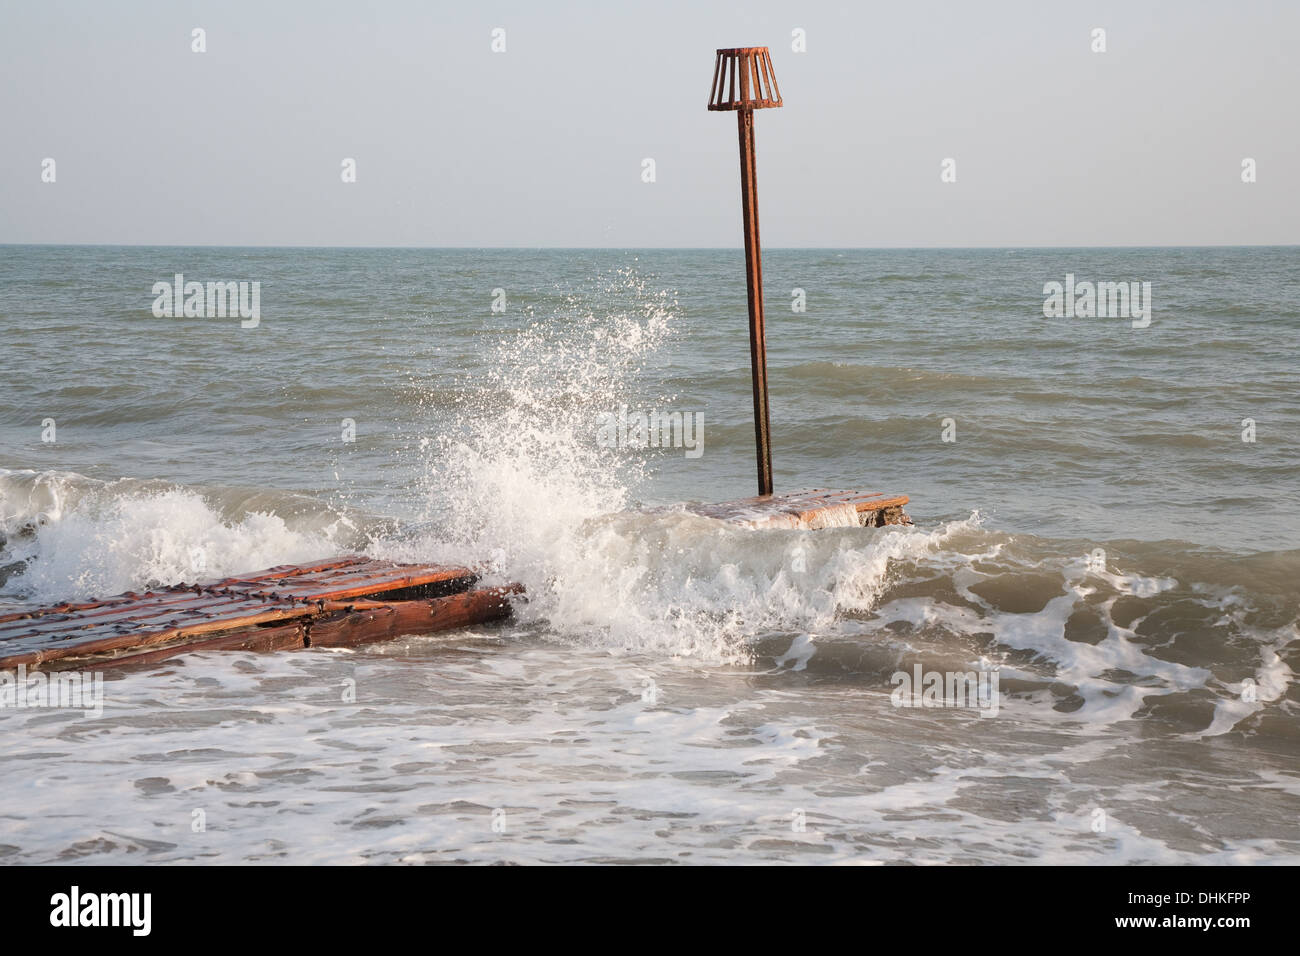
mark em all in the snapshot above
pixel 1107 517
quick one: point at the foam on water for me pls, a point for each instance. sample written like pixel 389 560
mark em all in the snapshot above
pixel 77 538
pixel 457 751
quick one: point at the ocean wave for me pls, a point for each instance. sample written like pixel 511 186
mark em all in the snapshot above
pixel 64 536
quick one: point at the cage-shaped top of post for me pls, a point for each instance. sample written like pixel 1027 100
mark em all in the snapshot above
pixel 743 79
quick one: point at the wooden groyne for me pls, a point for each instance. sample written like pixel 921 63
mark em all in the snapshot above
pixel 820 508
pixel 341 602
pixel 336 603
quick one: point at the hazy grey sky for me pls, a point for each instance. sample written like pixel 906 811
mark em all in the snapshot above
pixel 542 145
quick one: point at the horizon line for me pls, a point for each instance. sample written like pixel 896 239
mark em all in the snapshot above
pixel 737 248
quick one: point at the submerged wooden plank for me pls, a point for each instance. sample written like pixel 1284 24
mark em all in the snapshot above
pixel 818 508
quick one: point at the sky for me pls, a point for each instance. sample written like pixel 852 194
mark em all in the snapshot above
pixel 544 144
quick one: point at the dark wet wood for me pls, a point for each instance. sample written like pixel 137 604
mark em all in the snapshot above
pixel 367 621
pixel 280 637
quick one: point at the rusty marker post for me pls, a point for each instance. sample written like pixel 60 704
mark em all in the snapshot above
pixel 744 81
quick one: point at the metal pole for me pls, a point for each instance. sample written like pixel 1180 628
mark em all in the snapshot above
pixel 754 288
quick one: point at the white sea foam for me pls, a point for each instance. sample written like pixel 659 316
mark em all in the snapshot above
pixel 572 761
pixel 1270 683
pixel 83 538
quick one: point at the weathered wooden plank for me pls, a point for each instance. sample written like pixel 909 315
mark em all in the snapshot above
pixel 66 607
pixel 265 609
pixel 338 624
pixel 283 571
pixel 172 606
pixel 132 604
pixel 274 638
pixel 818 508
pixel 359 585
pixel 253 580
pixel 182 601
pixel 43 649
pixel 364 622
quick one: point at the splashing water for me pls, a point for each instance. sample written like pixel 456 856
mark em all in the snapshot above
pixel 68 536
pixel 524 487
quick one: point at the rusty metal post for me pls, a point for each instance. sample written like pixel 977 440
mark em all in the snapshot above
pixel 754 290
pixel 743 81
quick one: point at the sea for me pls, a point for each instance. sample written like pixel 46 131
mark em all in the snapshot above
pixel 1106 507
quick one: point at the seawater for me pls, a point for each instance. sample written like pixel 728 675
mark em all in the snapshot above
pixel 1090 524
